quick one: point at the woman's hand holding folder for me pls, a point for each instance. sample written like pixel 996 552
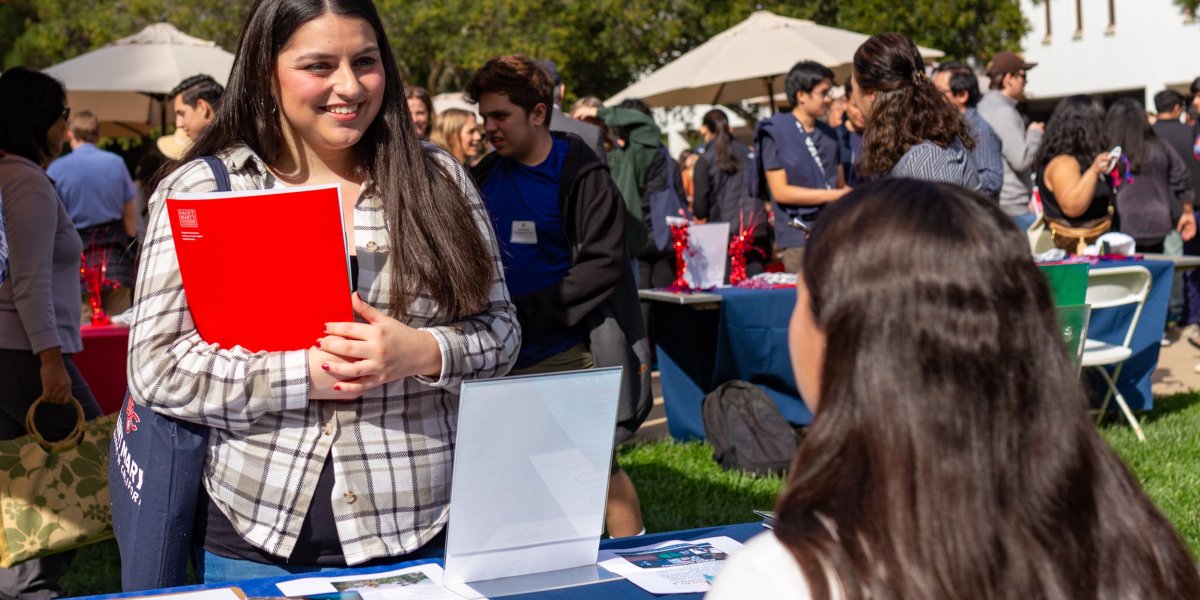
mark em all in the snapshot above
pixel 353 358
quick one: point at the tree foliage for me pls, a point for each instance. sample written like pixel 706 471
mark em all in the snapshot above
pixel 600 45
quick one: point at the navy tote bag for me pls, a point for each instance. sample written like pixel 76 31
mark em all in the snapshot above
pixel 158 462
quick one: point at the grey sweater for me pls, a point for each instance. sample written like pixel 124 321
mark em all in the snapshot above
pixel 1019 147
pixel 39 303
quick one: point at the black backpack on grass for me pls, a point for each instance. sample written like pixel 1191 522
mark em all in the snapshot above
pixel 746 429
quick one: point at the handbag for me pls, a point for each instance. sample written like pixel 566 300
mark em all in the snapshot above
pixel 54 495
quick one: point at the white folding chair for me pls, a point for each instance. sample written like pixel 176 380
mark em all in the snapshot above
pixel 1111 288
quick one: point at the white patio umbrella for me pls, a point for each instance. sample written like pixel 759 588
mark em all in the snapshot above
pixel 748 60
pixel 126 82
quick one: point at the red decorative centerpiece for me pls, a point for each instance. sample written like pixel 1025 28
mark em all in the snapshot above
pixel 94 273
pixel 679 241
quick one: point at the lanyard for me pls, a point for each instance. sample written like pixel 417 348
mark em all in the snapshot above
pixel 816 155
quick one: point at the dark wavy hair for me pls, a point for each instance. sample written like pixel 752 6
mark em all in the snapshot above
pixel 1075 128
pixel 30 103
pixel 518 77
pixel 908 109
pixel 435 245
pixel 1127 126
pixel 718 124
pixel 952 455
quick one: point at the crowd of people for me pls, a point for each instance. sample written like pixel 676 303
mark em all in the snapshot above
pixel 950 455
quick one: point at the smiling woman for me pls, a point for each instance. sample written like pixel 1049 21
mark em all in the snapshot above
pixel 315 97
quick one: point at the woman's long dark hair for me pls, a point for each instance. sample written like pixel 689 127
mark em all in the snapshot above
pixel 1075 128
pixel 718 124
pixel 435 243
pixel 1128 127
pixel 908 108
pixel 30 103
pixel 951 456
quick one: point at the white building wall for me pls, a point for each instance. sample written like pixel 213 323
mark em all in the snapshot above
pixel 1152 46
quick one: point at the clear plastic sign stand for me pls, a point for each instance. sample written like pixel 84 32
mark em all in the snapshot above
pixel 531 471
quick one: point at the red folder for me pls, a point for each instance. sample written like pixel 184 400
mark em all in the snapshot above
pixel 264 270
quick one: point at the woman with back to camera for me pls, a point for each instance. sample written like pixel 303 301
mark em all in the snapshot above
pixel 457 132
pixel 1154 193
pixel 722 189
pixel 911 131
pixel 1072 174
pixel 39 302
pixel 354 435
pixel 950 454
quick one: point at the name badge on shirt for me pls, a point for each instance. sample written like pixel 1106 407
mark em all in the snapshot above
pixel 524 232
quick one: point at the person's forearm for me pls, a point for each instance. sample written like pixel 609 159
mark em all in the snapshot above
pixel 51 355
pixel 130 218
pixel 794 195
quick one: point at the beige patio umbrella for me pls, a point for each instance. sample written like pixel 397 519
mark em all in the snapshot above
pixel 126 82
pixel 751 59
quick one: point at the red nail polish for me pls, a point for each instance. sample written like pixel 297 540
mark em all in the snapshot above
pixel 325 366
pixel 318 343
pixel 337 388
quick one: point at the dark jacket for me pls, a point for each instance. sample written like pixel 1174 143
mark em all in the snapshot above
pixel 1182 139
pixel 725 197
pixel 664 173
pixel 599 289
pixel 1149 206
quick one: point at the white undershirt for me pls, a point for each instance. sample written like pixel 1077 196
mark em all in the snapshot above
pixel 764 568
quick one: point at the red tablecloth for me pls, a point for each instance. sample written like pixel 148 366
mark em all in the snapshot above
pixel 102 363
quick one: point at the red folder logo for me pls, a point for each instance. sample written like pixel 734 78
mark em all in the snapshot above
pixel 187 218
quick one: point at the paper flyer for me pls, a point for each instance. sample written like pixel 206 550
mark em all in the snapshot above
pixel 422 582
pixel 674 567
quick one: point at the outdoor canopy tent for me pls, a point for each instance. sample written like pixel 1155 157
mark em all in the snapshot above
pixel 749 60
pixel 126 82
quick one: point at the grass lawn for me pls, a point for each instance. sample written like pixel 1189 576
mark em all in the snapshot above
pixel 681 487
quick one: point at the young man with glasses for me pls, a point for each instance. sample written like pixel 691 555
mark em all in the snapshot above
pixel 1018 143
pixel 798 159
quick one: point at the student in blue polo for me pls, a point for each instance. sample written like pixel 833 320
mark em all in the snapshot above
pixel 799 158
pixel 560 225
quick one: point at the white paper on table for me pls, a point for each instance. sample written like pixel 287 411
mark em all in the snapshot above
pixel 674 567
pixel 531 471
pixel 422 582
pixel 708 249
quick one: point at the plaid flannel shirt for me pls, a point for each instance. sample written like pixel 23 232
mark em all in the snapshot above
pixel 391 450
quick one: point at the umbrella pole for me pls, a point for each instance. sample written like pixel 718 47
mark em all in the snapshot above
pixel 770 81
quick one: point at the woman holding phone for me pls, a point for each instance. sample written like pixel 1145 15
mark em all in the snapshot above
pixel 1072 169
pixel 337 454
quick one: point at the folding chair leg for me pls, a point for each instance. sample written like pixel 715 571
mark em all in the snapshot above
pixel 1113 391
pixel 1107 396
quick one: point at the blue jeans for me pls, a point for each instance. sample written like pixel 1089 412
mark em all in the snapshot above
pixel 1023 221
pixel 216 569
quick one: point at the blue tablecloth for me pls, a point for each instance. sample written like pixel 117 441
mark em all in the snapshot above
pixel 745 337
pixel 700 347
pixel 1108 325
pixel 608 590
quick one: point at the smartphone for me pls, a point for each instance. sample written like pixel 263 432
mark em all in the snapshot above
pixel 1113 156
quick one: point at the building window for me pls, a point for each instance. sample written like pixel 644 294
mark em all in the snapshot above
pixel 1046 5
pixel 1078 20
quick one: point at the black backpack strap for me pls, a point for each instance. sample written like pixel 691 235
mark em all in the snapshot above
pixel 219 171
